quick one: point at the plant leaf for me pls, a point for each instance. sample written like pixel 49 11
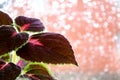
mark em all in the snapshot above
pixel 29 24
pixel 48 47
pixel 18 39
pixel 5 19
pixel 5 34
pixel 5 57
pixel 2 63
pixel 10 40
pixel 9 71
pixel 38 70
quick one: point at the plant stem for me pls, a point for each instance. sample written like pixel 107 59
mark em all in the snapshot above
pixel 13 57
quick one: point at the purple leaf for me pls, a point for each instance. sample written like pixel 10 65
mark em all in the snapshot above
pixel 2 63
pixel 5 19
pixel 9 39
pixel 37 77
pixel 5 34
pixel 9 71
pixel 48 47
pixel 18 39
pixel 29 24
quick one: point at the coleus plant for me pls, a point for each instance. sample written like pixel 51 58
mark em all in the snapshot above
pixel 24 38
